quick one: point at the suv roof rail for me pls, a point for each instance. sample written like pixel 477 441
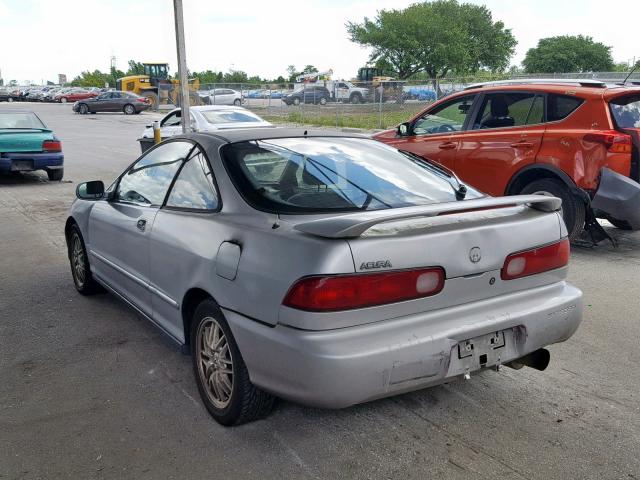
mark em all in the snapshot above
pixel 541 81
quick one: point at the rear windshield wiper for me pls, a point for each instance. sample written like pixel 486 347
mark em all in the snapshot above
pixel 458 187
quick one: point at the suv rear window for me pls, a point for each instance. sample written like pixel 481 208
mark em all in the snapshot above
pixel 312 175
pixel 560 107
pixel 626 111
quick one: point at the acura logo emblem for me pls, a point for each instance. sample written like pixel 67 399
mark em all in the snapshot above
pixel 475 255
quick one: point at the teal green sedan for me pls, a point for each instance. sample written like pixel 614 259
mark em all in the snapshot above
pixel 26 145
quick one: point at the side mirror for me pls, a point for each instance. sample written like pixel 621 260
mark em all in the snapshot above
pixel 404 129
pixel 93 190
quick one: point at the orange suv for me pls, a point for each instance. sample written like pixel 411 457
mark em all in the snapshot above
pixel 578 140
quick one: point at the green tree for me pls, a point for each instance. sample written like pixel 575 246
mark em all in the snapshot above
pixel 567 53
pixel 235 76
pixel 309 69
pixel 135 68
pixel 92 79
pixel 436 37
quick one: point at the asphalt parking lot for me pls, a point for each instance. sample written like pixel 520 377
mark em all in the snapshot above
pixel 89 390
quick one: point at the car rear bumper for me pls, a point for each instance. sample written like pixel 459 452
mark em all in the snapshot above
pixel 338 368
pixel 618 197
pixel 17 162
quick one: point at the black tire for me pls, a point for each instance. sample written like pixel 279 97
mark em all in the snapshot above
pixel 237 102
pixel 83 109
pixel 153 99
pixel 85 284
pixel 55 175
pixel 245 402
pixel 129 109
pixel 355 98
pixel 573 208
pixel 621 224
pixel 296 101
pixel 323 101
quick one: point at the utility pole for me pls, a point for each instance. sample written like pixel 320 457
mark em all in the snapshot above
pixel 182 65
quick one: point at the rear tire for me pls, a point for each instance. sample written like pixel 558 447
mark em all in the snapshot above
pixel 55 175
pixel 129 109
pixel 221 374
pixel 573 209
pixel 80 271
pixel 153 99
pixel 63 100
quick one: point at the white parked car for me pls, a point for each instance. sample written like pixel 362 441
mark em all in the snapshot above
pixel 221 96
pixel 208 118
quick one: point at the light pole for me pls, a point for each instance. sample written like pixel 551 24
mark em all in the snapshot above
pixel 182 65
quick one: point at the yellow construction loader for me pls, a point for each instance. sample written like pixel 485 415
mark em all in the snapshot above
pixel 156 85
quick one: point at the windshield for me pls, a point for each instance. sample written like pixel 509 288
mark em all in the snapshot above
pixel 305 175
pixel 20 120
pixel 217 117
pixel 626 111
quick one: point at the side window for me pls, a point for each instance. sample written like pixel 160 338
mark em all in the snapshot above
pixel 116 95
pixel 449 117
pixel 560 107
pixel 147 181
pixel 172 120
pixel 509 109
pixel 194 187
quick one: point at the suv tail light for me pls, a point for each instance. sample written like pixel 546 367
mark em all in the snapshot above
pixel 51 146
pixel 537 260
pixel 615 142
pixel 346 292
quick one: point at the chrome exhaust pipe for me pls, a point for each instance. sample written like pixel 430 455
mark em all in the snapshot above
pixel 539 360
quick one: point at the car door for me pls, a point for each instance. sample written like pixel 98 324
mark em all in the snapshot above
pixel 171 124
pixel 184 241
pixel 504 136
pixel 117 102
pixel 119 228
pixel 437 133
pixel 102 103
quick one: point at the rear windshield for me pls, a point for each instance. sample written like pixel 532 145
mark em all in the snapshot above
pixel 217 117
pixel 20 120
pixel 626 111
pixel 304 175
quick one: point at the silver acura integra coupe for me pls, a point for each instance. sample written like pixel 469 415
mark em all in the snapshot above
pixel 325 269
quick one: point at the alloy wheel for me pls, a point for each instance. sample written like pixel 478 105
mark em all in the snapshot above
pixel 77 260
pixel 215 362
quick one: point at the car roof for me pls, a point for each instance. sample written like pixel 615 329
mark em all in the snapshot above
pixel 582 87
pixel 220 137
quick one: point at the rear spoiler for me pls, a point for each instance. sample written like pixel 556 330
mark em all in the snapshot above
pixel 353 225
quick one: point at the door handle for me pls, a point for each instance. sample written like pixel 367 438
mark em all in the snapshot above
pixel 447 145
pixel 142 224
pixel 522 145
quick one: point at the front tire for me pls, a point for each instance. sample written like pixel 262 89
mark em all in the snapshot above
pixel 63 100
pixel 356 98
pixel 129 109
pixel 83 109
pixel 221 374
pixel 296 101
pixel 323 101
pixel 621 224
pixel 80 271
pixel 573 209
pixel 237 102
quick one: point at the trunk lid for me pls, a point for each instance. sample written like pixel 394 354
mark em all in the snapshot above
pixel 23 140
pixel 471 246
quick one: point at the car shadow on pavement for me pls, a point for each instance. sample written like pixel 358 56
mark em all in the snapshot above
pixel 25 179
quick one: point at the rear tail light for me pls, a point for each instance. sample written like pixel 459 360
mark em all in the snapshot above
pixel 537 260
pixel 51 146
pixel 615 142
pixel 141 100
pixel 346 292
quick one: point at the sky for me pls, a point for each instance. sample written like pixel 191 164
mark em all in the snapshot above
pixel 43 38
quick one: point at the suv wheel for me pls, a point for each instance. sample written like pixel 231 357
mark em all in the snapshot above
pixel 355 98
pixel 221 374
pixel 323 101
pixel 573 208
pixel 296 101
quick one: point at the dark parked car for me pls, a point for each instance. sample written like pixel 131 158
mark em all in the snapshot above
pixel 308 94
pixel 5 96
pixel 126 102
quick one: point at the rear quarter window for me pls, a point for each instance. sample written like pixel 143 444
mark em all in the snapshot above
pixel 560 107
pixel 626 111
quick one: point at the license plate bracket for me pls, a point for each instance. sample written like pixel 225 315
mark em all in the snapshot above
pixel 484 350
pixel 22 165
